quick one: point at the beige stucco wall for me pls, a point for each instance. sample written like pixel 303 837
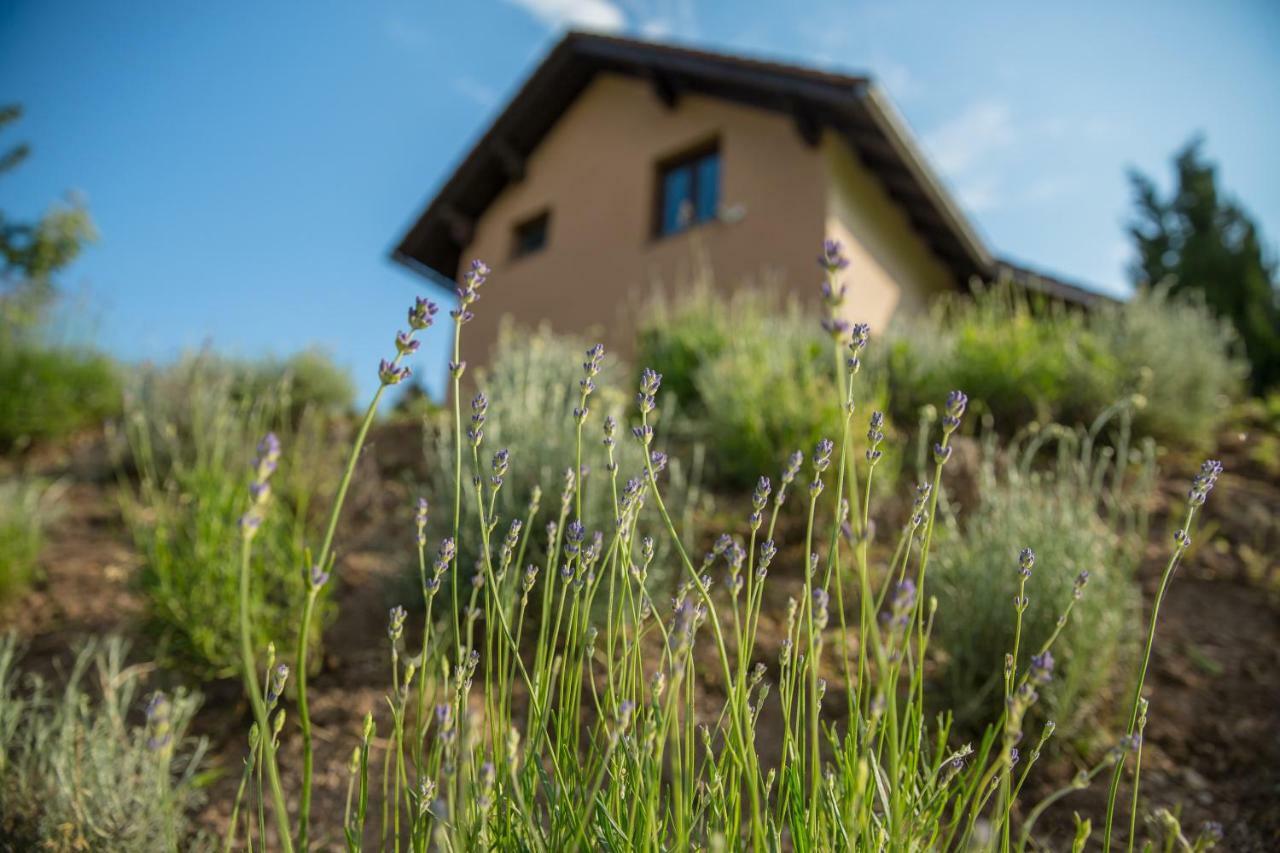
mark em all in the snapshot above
pixel 596 172
pixel 891 269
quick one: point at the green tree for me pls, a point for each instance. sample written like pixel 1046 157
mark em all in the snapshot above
pixel 1198 240
pixel 33 253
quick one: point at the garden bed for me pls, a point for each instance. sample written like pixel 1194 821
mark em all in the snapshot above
pixel 1215 680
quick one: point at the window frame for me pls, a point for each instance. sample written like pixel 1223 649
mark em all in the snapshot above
pixel 690 157
pixel 542 217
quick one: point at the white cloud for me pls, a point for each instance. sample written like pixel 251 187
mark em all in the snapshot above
pixel 406 33
pixel 968 149
pixel 896 78
pixel 968 140
pixel 562 14
pixel 475 91
pixel 979 193
pixel 659 19
pixel 1048 188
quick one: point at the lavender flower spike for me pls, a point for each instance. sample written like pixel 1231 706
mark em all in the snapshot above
pixel 1204 481
pixel 956 403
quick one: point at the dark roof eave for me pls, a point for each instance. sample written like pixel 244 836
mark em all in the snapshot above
pixel 1050 285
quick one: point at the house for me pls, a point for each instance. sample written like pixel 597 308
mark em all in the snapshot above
pixel 618 157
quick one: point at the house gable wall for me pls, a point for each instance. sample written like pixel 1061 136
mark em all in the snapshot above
pixel 891 269
pixel 596 172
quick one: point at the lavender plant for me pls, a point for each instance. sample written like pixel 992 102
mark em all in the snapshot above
pixel 625 719
pixel 78 773
pixel 1081 496
pixel 189 432
pixel 537 376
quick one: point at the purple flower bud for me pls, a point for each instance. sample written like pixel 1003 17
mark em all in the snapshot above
pixel 595 356
pixel 269 447
pixel 822 454
pixel 395 623
pixel 832 296
pixel 1026 561
pixel 501 462
pixel 275 686
pixel 836 327
pixel 422 313
pixel 392 375
pixel 792 470
pixel 832 258
pixel 859 337
pixel 1042 667
pixel 159 727
pixel 956 403
pixel 650 381
pixel 821 600
pixel 941 453
pixel 1077 589
pixel 1204 481
pixel 318 576
pixel 405 344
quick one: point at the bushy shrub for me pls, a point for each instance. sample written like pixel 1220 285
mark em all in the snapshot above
pixel 755 375
pixel 1023 359
pixel 51 392
pixel 1081 508
pixel 678 335
pixel 309 378
pixel 191 435
pixel 1183 361
pixel 767 390
pixel 78 773
pixel 1019 361
pixel 26 508
pixel 532 383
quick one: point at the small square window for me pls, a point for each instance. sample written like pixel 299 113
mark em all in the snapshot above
pixel 530 236
pixel 688 191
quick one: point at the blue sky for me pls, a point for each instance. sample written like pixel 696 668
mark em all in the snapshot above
pixel 249 165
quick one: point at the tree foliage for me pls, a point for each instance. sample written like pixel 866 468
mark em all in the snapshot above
pixel 33 253
pixel 1199 240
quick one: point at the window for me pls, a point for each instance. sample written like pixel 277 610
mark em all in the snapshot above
pixel 530 236
pixel 688 191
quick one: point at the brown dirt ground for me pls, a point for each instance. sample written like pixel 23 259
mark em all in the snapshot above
pixel 1212 744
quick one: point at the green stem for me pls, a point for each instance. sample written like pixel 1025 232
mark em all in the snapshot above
pixel 1142 674
pixel 255 699
pixel 324 560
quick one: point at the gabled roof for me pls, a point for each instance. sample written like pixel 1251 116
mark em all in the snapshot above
pixel 852 106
